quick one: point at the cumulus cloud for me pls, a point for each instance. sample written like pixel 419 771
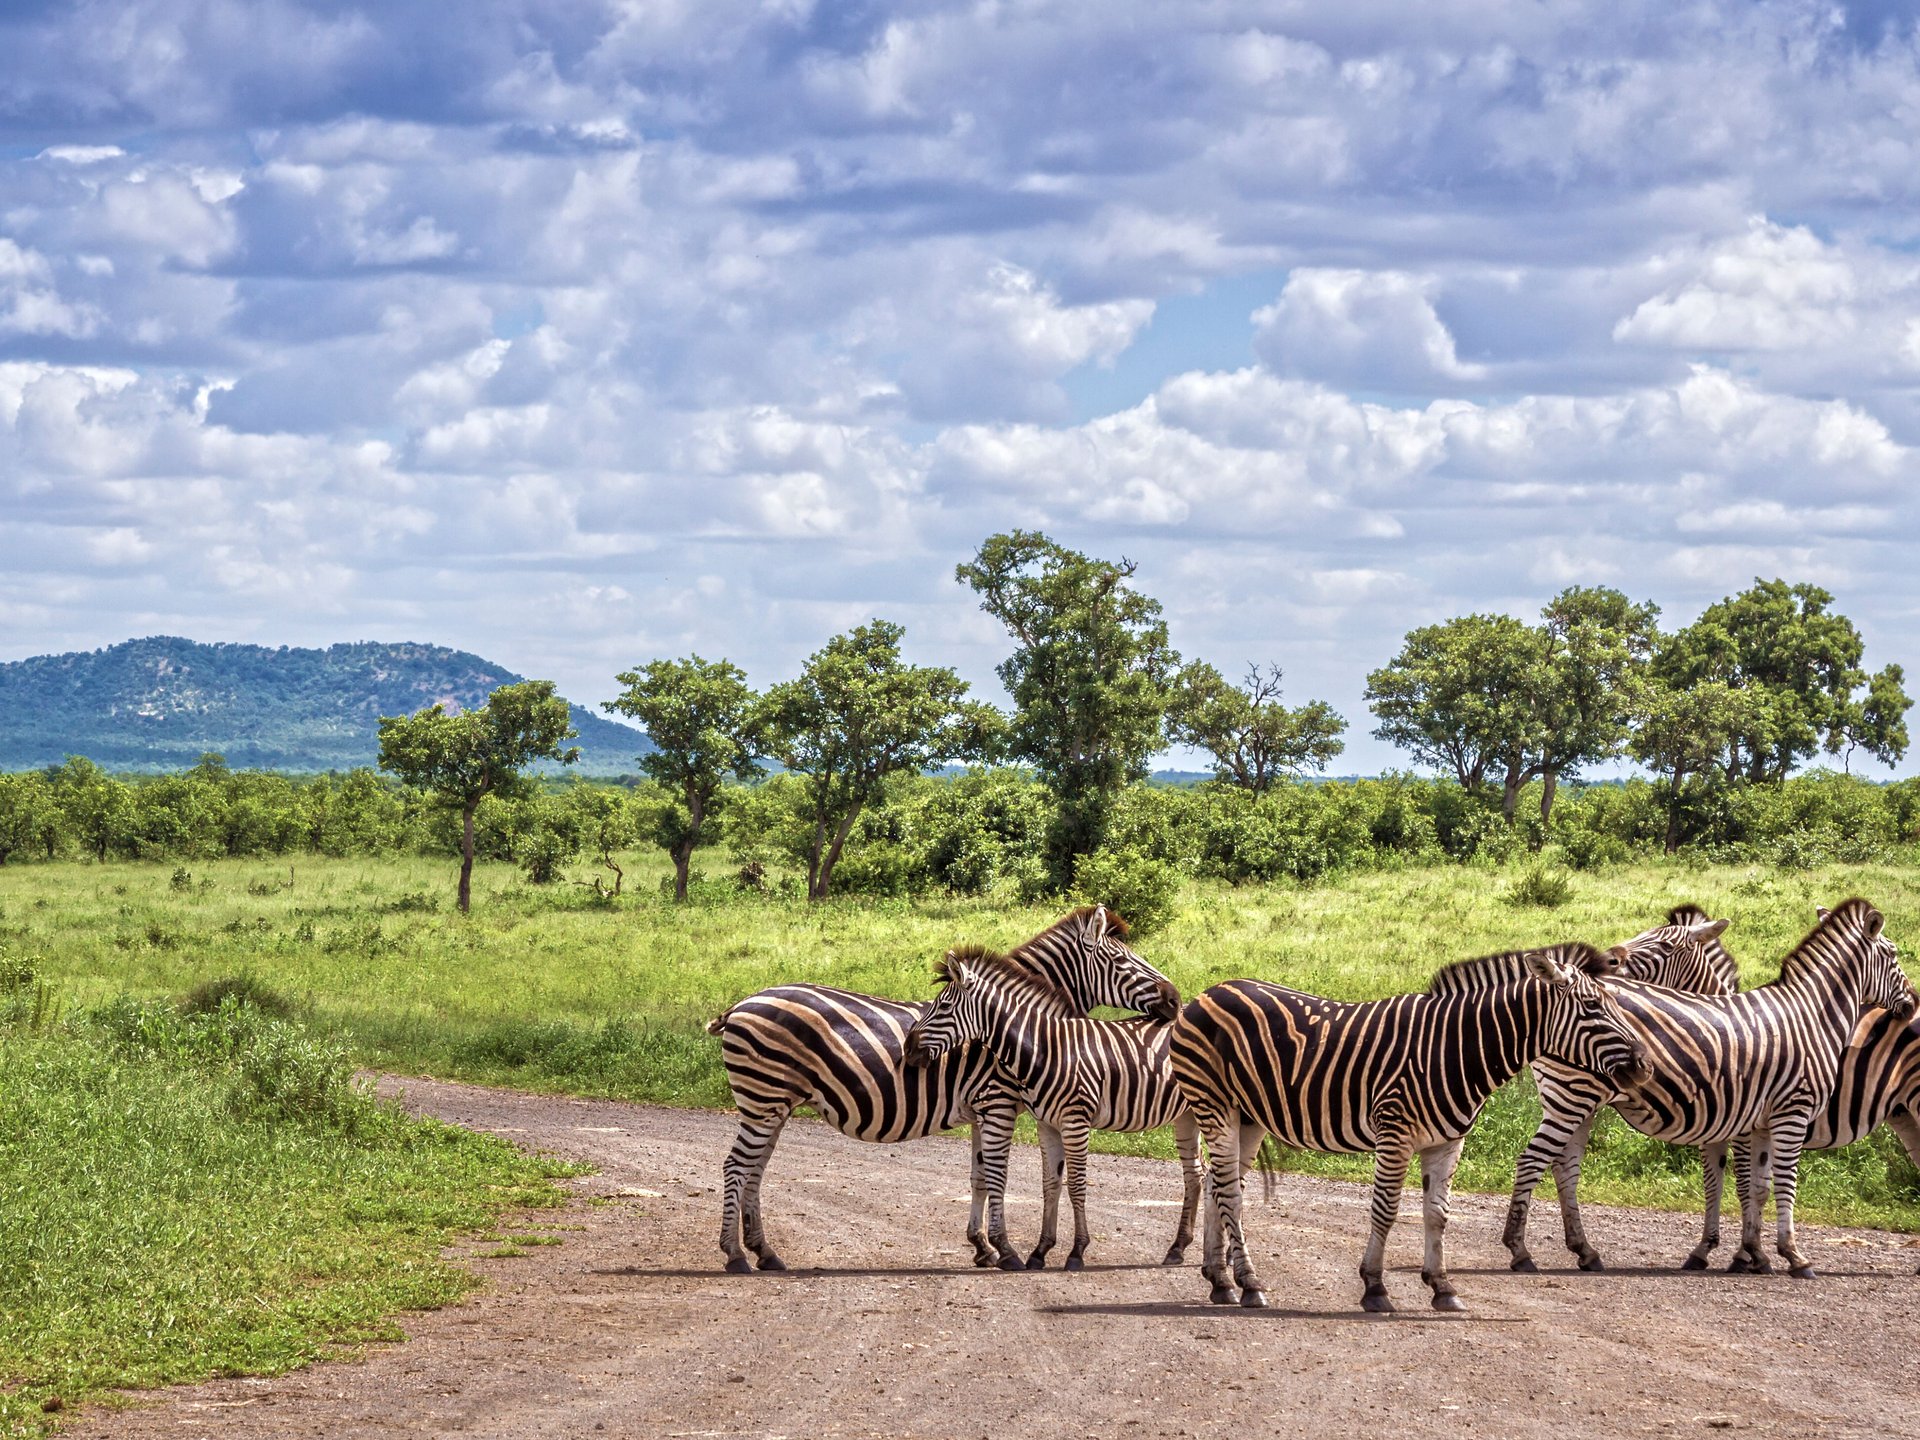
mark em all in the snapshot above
pixel 1360 328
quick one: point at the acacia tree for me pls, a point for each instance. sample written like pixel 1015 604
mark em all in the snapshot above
pixel 856 715
pixel 1681 734
pixel 701 718
pixel 1459 696
pixel 1595 644
pixel 1092 678
pixel 1798 666
pixel 96 807
pixel 1253 738
pixel 463 758
pixel 27 813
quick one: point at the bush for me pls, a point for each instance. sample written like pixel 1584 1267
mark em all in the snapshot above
pixel 210 995
pixel 1142 890
pixel 1541 886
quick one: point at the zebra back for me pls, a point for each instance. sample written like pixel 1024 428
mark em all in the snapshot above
pixel 1510 966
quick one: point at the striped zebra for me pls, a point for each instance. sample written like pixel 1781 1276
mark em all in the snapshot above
pixel 1761 1063
pixel 1077 1075
pixel 1683 954
pixel 841 1053
pixel 1878 1084
pixel 1401 1076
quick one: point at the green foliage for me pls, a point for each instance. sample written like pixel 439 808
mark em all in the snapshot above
pixel 210 996
pixel 703 721
pixel 1092 678
pixel 1255 741
pixel 857 716
pixel 1542 887
pixel 1134 886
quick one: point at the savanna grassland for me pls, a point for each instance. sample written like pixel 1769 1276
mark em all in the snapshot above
pixel 556 987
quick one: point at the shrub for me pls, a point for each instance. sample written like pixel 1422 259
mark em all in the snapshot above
pixel 1542 886
pixel 1141 889
pixel 209 996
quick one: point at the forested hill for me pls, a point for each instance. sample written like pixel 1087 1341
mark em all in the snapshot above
pixel 160 703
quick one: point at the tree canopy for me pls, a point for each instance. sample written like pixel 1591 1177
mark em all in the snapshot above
pixel 1253 738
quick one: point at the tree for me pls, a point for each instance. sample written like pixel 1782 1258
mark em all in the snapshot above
pixel 1798 665
pixel 700 716
pixel 609 821
pixel 1460 696
pixel 857 715
pixel 1682 732
pixel 1091 678
pixel 96 807
pixel 1595 643
pixel 462 758
pixel 1253 738
pixel 27 812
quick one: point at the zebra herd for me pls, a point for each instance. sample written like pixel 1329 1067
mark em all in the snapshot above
pixel 1656 1027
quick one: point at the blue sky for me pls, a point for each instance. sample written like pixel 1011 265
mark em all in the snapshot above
pixel 575 334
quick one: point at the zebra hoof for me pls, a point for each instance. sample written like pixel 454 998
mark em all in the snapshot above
pixel 1251 1299
pixel 1375 1301
pixel 1074 1262
pixel 1037 1260
pixel 739 1265
pixel 985 1262
pixel 1803 1272
pixel 1739 1265
pixel 1524 1264
pixel 1012 1262
pixel 1222 1295
pixel 1452 1304
pixel 1592 1262
pixel 1176 1256
pixel 1694 1262
pixel 770 1261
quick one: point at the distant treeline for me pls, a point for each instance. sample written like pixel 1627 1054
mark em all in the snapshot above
pixel 969 833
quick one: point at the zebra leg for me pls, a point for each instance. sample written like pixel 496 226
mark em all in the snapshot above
pixel 992 1148
pixel 1566 1183
pixel 1075 1138
pixel 1787 1144
pixel 1540 1150
pixel 1186 1135
pixel 1226 1245
pixel 1437 1164
pixel 1053 1162
pixel 1389 1178
pixel 1752 1175
pixel 740 1179
pixel 1713 1182
pixel 1907 1127
pixel 1213 1248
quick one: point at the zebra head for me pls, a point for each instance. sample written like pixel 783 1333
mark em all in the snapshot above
pixel 959 1012
pixel 1683 954
pixel 1886 986
pixel 1086 954
pixel 1582 1024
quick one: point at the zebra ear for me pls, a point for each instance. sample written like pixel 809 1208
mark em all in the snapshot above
pixel 1821 911
pixel 1542 966
pixel 1708 929
pixel 1097 924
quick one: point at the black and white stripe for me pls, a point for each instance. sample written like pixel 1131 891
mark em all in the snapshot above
pixel 1077 1075
pixel 1762 1064
pixel 1402 1076
pixel 843 1054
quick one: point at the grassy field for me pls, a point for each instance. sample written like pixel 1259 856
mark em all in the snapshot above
pixel 555 988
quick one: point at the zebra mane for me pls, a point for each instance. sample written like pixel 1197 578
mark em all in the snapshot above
pixel 1005 969
pixel 1687 913
pixel 1853 915
pixel 1485 971
pixel 1080 914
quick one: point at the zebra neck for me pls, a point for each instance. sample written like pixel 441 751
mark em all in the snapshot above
pixel 1483 1042
pixel 1831 991
pixel 1010 1038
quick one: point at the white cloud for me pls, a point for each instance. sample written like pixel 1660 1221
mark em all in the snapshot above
pixel 1360 328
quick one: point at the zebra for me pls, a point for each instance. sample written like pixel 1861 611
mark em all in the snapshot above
pixel 1683 954
pixel 1077 1075
pixel 1404 1075
pixel 1760 1063
pixel 841 1053
pixel 1878 1083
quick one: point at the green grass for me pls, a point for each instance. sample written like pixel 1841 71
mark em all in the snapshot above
pixel 551 988
pixel 188 1198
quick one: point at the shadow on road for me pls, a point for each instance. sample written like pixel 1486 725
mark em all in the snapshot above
pixel 1170 1310
pixel 861 1272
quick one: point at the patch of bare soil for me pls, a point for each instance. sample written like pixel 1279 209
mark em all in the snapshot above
pixel 884 1327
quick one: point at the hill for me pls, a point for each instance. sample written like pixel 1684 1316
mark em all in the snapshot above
pixel 158 703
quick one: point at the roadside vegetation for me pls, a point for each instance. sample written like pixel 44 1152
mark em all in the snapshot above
pixel 194 1186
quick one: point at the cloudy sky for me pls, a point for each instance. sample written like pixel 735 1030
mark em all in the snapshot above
pixel 579 333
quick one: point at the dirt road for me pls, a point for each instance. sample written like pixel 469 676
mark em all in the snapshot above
pixel 883 1328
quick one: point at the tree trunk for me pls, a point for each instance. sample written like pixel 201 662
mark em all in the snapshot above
pixel 466 857
pixel 832 858
pixel 1549 782
pixel 1510 792
pixel 1673 810
pixel 619 875
pixel 815 853
pixel 682 861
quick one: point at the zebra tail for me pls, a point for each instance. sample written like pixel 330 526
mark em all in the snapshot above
pixel 718 1025
pixel 1268 1159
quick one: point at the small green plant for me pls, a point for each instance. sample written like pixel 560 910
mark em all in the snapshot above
pixel 243 989
pixel 182 879
pixel 1143 891
pixel 1543 887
